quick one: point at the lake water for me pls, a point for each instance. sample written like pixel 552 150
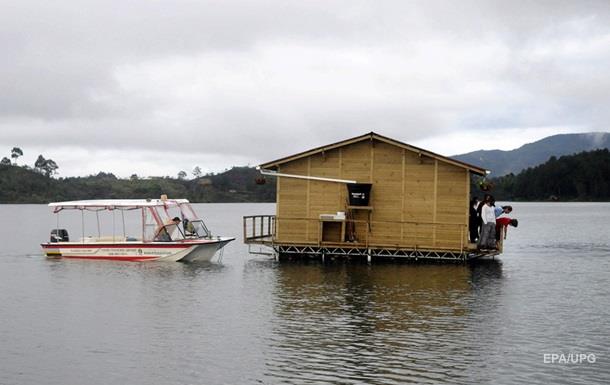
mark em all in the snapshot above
pixel 251 320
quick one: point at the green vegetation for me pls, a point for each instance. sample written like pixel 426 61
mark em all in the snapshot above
pixel 21 184
pixel 581 177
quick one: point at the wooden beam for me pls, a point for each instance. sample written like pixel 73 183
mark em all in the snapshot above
pixel 372 155
pixel 402 209
pixel 434 203
pixel 277 205
pixel 307 198
pixel 370 213
pixel 467 207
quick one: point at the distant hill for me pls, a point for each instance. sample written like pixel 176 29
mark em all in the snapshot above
pixel 581 177
pixel 21 184
pixel 532 154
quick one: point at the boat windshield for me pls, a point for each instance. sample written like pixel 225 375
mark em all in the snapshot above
pixel 193 226
pixel 195 229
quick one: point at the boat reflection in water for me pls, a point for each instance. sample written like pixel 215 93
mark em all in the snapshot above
pixel 378 323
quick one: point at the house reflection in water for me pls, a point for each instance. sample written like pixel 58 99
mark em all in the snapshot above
pixel 368 323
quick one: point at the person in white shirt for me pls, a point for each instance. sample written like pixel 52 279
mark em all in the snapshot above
pixel 487 240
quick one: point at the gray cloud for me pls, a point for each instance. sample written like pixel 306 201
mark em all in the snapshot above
pixel 241 80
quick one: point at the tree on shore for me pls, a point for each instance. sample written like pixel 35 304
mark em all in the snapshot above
pixel 197 172
pixel 50 168
pixel 5 161
pixel 45 166
pixel 40 161
pixel 16 153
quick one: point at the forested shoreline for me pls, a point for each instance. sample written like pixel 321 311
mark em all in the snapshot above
pixel 581 177
pixel 19 184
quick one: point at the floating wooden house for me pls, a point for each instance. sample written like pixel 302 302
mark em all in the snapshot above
pixel 368 196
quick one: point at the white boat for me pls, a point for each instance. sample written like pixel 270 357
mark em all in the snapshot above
pixel 159 238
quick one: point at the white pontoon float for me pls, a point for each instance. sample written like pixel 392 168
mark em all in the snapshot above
pixel 160 239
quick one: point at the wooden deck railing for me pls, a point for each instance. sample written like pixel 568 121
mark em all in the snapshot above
pixel 259 227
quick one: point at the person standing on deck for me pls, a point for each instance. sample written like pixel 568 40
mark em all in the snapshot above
pixel 473 220
pixel 487 239
pixel 486 197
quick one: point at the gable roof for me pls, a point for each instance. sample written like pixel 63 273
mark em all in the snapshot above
pixel 373 136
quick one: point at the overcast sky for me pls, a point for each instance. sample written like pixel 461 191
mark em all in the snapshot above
pixel 155 87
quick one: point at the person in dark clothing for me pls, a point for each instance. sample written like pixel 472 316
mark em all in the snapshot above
pixel 486 197
pixel 473 220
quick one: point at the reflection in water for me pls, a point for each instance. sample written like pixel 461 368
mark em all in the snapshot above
pixel 485 271
pixel 374 324
pixel 164 270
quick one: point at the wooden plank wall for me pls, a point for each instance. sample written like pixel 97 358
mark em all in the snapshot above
pixel 406 187
pixel 418 199
pixel 451 201
pixel 387 193
pixel 324 197
pixel 292 201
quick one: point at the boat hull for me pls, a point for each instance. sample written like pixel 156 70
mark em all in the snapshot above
pixel 186 251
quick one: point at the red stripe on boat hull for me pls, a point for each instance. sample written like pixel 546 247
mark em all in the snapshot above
pixel 113 258
pixel 118 246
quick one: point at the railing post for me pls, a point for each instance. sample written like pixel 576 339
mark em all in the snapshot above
pixel 262 223
pixel 245 219
pixel 269 225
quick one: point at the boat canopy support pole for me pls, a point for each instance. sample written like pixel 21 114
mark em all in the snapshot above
pixel 113 226
pixel 123 217
pixel 82 218
pixel 97 216
pixel 143 224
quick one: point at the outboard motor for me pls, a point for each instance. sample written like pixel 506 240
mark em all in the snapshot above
pixel 59 235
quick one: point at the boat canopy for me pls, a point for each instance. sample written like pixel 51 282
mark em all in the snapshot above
pixel 110 204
